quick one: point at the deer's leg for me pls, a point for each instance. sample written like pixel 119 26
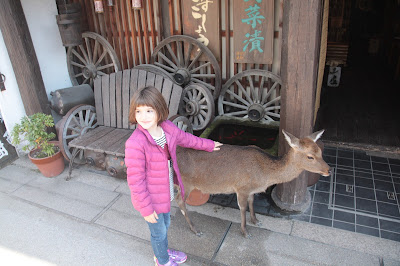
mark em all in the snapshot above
pixel 242 202
pixel 253 218
pixel 182 206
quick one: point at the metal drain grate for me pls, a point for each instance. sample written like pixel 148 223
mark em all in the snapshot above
pixel 391 195
pixel 349 188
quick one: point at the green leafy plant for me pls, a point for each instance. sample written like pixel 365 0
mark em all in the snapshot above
pixel 33 129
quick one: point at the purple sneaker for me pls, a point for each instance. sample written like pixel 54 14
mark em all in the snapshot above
pixel 177 256
pixel 169 263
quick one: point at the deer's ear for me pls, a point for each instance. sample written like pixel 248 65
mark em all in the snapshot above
pixel 316 135
pixel 292 140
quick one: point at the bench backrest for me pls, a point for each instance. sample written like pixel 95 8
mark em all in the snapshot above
pixel 112 94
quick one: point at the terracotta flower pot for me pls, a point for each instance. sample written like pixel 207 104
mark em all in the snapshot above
pixel 49 166
pixel 197 198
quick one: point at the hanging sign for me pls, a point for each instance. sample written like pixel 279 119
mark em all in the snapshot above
pixel 253 24
pixel 201 21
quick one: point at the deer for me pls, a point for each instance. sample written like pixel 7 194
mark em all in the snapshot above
pixel 246 170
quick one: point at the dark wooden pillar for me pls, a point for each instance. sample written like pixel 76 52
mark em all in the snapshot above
pixel 23 58
pixel 300 54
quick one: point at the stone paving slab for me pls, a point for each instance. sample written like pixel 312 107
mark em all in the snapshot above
pixel 182 238
pixel 267 222
pixel 40 235
pixel 266 248
pixel 96 178
pixel 12 177
pixel 354 241
pixel 70 197
pixel 122 217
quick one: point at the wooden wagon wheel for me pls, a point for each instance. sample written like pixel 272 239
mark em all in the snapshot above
pixel 180 56
pixel 197 104
pixel 251 94
pixel 79 120
pixel 182 123
pixel 95 57
pixel 153 69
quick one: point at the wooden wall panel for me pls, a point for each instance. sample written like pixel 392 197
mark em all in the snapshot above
pixel 135 33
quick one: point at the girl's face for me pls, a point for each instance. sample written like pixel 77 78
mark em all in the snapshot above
pixel 146 116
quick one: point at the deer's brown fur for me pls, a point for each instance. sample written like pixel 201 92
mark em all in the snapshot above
pixel 246 170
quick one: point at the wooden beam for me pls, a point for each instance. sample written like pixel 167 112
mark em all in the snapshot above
pixel 23 58
pixel 301 35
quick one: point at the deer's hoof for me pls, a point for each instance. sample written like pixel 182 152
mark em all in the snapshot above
pixel 199 233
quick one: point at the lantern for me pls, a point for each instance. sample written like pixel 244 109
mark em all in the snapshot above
pixel 136 4
pixel 98 6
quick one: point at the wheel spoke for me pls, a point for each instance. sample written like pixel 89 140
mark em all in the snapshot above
pixel 195 60
pixel 273 114
pixel 101 58
pixel 238 98
pixel 92 119
pixel 187 58
pixel 105 66
pixel 271 102
pixel 72 136
pixel 87 115
pixel 252 89
pixel 166 59
pixel 244 91
pixel 74 129
pixel 76 64
pixel 273 88
pixel 96 43
pixel 199 67
pixel 84 53
pixel 89 49
pixel 170 70
pixel 235 105
pixel 78 75
pixel 201 118
pixel 79 56
pixel 81 119
pixel 272 108
pixel 100 73
pixel 180 53
pixel 76 121
pixel 171 52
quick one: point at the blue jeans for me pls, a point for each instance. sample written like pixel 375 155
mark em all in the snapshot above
pixel 159 237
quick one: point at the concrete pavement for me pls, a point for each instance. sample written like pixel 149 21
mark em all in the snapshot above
pixel 89 220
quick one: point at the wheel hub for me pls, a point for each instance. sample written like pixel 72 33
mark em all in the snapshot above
pixel 181 76
pixel 192 108
pixel 89 71
pixel 256 112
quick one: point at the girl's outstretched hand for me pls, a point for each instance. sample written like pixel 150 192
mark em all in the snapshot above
pixel 217 145
pixel 152 218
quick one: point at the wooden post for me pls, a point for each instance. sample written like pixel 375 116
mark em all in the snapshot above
pixel 23 58
pixel 301 35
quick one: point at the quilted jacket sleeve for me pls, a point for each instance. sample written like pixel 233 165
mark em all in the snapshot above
pixel 135 162
pixel 188 140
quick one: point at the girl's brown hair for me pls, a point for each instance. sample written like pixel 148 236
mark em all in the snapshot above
pixel 148 96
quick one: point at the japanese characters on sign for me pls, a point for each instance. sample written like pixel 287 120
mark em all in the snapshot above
pixel 200 20
pixel 253 31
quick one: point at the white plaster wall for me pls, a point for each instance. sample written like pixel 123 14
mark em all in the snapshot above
pixel 41 19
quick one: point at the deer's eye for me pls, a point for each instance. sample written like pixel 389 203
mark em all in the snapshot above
pixel 310 157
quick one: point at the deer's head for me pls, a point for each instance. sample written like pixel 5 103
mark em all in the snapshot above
pixel 307 154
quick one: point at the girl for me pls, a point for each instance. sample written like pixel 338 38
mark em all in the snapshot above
pixel 150 157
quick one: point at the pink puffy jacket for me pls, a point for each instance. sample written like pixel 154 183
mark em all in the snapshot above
pixel 147 167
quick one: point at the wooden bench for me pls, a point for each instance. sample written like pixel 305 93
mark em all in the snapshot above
pixel 112 94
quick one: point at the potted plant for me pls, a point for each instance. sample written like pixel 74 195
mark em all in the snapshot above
pixel 44 154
